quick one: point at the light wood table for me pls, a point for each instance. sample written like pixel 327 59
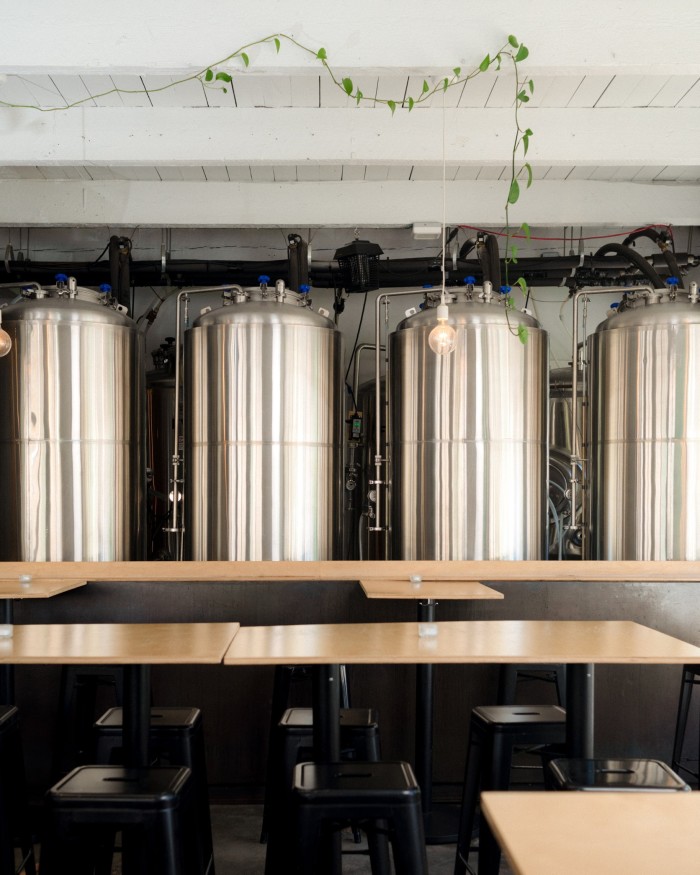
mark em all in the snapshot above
pixel 440 821
pixel 15 588
pixel 136 646
pixel 584 833
pixel 578 643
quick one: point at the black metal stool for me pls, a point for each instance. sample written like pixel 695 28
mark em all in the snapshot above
pixel 328 794
pixel 176 739
pixel 292 742
pixel 691 677
pixel 509 675
pixel 78 708
pixel 153 808
pixel 625 774
pixel 15 827
pixel 493 733
pixel 284 678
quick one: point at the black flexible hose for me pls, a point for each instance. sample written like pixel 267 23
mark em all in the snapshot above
pixel 636 260
pixel 662 242
pixel 494 260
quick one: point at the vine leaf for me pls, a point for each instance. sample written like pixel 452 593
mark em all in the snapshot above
pixel 223 77
pixel 457 71
pixel 411 102
pixel 245 58
pixel 514 192
pixel 531 86
pixel 445 84
pixel 426 87
pixel 514 253
pixel 347 85
pixel 277 45
pixel 522 97
pixel 522 282
pixel 522 53
pixel 484 65
pixel 513 41
pixel 528 169
pixel 209 75
pixel 392 105
pixel 522 334
pixel 498 62
pixel 321 55
pixel 358 96
pixel 526 231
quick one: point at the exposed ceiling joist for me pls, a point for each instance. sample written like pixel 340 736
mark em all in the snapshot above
pixel 284 136
pixel 336 204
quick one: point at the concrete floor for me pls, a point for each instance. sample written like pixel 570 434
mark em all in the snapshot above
pixel 237 849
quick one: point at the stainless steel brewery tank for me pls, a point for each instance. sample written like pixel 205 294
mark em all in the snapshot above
pixel 263 430
pixel 71 447
pixel 469 436
pixel 643 442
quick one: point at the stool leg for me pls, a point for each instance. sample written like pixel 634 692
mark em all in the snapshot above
pixel 684 697
pixel 378 846
pixel 410 857
pixel 560 675
pixel 470 797
pixel 499 757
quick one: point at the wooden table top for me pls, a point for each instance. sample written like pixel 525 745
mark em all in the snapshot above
pixel 605 833
pixel 39 588
pixel 118 643
pixel 385 588
pixel 473 641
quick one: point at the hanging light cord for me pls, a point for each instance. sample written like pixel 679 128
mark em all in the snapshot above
pixel 443 294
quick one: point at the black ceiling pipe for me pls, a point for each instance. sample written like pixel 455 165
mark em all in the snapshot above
pixel 393 273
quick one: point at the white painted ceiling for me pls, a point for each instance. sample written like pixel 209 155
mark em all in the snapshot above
pixel 615 111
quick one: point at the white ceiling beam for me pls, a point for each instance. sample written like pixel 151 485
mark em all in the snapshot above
pixel 161 136
pixel 392 203
pixel 147 35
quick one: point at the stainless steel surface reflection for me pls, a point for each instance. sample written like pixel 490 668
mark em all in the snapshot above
pixel 643 445
pixel 263 434
pixel 71 448
pixel 469 438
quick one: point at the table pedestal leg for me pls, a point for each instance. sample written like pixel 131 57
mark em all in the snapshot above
pixel 326 699
pixel 441 821
pixel 580 710
pixel 7 672
pixel 137 714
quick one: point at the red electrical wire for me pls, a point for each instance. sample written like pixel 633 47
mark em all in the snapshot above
pixel 567 239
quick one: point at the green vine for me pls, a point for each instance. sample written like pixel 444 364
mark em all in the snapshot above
pixel 513 51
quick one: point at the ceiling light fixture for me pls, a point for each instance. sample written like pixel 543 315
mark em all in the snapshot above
pixel 443 338
pixel 5 340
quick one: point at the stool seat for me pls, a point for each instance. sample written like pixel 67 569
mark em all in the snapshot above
pixel 385 794
pixel 153 807
pixel 619 775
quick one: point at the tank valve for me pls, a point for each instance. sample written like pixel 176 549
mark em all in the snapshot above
pixel 693 293
pixel 263 280
pixel 487 292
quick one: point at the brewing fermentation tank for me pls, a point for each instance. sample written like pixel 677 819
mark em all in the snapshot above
pixel 643 441
pixel 564 540
pixel 263 430
pixel 160 444
pixel 469 435
pixel 71 447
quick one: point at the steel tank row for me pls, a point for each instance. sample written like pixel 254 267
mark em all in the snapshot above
pixel 465 440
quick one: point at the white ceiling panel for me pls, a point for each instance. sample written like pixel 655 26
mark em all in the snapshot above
pixel 477 91
pixel 353 172
pixel 647 174
pixel 262 174
pixel 392 88
pixel 589 91
pixel 467 171
pixel 102 90
pixel 215 174
pixel 132 92
pixel 675 88
pixel 239 173
pixel 691 97
pixel 332 96
pixel 192 174
pixel 100 173
pixel 414 89
pixel 73 89
pixel 553 90
pixel 305 90
pixel 169 91
pixel 285 173
pixel 503 92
